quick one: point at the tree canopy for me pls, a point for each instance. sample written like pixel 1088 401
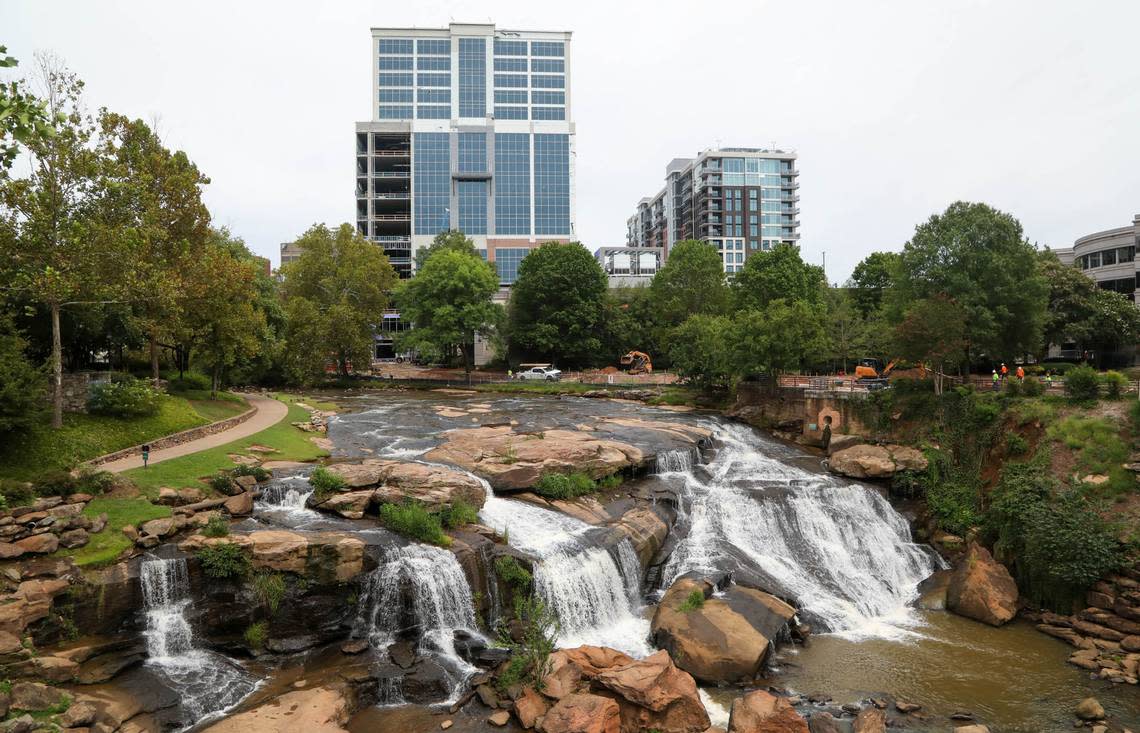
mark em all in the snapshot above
pixel 452 239
pixel 1081 312
pixel 691 283
pixel 779 273
pixel 872 278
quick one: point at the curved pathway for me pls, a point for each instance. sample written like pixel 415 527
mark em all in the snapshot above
pixel 269 413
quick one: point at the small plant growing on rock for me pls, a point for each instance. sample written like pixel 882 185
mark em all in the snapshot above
pixel 222 483
pixel 257 472
pixel 458 514
pixel 565 486
pixel 612 481
pixel 256 634
pixel 511 572
pixel 269 589
pixel 216 526
pixel 223 560
pixel 530 661
pixel 415 521
pixel 694 601
pixel 325 482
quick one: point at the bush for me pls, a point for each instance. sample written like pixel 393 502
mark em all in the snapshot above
pixel 955 503
pixel 256 635
pixel 1032 387
pixel 413 520
pixel 126 398
pixel 694 601
pixel 223 560
pixel 269 589
pixel 511 572
pixel 257 472
pixel 530 661
pixel 1082 384
pixel 612 481
pixel 325 482
pixel 189 382
pixel 1015 445
pixel 16 493
pixel 86 481
pixel 216 526
pixel 1114 384
pixel 221 483
pixel 458 514
pixel 564 486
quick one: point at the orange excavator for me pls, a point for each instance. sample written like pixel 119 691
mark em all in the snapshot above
pixel 637 362
pixel 872 373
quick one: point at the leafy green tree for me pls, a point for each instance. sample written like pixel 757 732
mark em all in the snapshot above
pixel 23 117
pixel 448 302
pixel 335 296
pixel 933 331
pixel 1079 311
pixel 848 332
pixel 21 382
pixel 701 350
pixel 630 323
pixel 690 283
pixel 977 257
pixel 452 239
pixel 556 304
pixel 872 278
pixel 779 273
pixel 784 336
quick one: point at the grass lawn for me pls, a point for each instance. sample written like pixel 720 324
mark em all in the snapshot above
pixel 219 409
pixel 291 445
pixel 1098 448
pixel 83 437
pixel 107 545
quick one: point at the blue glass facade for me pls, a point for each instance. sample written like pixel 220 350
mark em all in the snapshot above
pixel 472 77
pixel 431 181
pixel 472 197
pixel 512 183
pixel 507 261
pixel 472 152
pixel 551 184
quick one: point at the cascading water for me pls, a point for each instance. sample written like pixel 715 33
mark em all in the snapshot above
pixel 441 604
pixel 207 683
pixel 287 493
pixel 676 461
pixel 580 581
pixel 837 547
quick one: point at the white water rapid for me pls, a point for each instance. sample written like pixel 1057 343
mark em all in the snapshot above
pixel 207 683
pixel 837 547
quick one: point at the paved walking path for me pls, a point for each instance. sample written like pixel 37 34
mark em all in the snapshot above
pixel 269 413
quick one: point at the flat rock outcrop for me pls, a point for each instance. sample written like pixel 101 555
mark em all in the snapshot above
pixel 876 461
pixel 322 556
pixel 981 588
pixel 763 712
pixel 375 481
pixel 724 640
pixel 316 710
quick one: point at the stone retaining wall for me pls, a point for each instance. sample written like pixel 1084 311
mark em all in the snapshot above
pixel 178 438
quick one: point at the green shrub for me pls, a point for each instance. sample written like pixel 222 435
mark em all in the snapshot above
pixel 413 520
pixel 612 481
pixel 256 635
pixel 221 483
pixel 1114 384
pixel 1082 384
pixel 126 398
pixel 55 483
pixel 1015 445
pixel 257 472
pixel 565 486
pixel 511 572
pixel 1032 387
pixel 457 514
pixel 269 589
pixel 692 602
pixel 223 560
pixel 86 481
pixel 16 493
pixel 954 502
pixel 1013 388
pixel 325 482
pixel 216 526
pixel 530 661
pixel 189 382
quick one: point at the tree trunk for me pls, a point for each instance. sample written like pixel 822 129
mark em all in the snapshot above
pixel 56 370
pixel 155 375
pixel 468 351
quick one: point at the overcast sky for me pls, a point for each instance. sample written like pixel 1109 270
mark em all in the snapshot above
pixel 895 108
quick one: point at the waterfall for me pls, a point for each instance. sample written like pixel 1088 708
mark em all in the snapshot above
pixel 579 580
pixel 835 546
pixel 630 568
pixel 423 588
pixel 207 683
pixel 676 461
pixel 287 493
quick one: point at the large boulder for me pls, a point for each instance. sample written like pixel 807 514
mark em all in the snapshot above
pixel 981 588
pixel 655 695
pixel 876 461
pixel 513 461
pixel 321 556
pixel 645 529
pixel 395 481
pixel 583 713
pixel 763 712
pixel 726 639
pixel 316 710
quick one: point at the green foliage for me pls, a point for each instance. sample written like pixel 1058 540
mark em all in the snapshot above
pixel 325 482
pixel 457 514
pixel 690 283
pixel 612 481
pixel 693 602
pixel 872 278
pixel 123 398
pixel 701 352
pixel 22 384
pixel 86 480
pixel 104 548
pixel 1114 384
pixel 1079 311
pixel 1082 384
pixel 565 486
pixel 221 483
pixel 1035 411
pixel 785 335
pixel 1016 445
pixel 216 526
pixel 1057 543
pixel 24 119
pixel 955 502
pixel 188 382
pixel 556 305
pixel 511 572
pixel 412 519
pixel 777 274
pixel 269 589
pixel 1098 449
pixel 257 472
pixel 451 240
pixel 1032 387
pixel 933 330
pixel 223 560
pixel 530 660
pixel 256 634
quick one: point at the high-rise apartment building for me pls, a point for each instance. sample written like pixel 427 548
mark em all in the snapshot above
pixel 471 130
pixel 742 200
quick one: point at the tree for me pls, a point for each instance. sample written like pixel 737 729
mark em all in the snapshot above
pixel 778 273
pixel 784 336
pixel 335 295
pixel 23 117
pixel 452 239
pixel 51 248
pixel 630 323
pixel 872 277
pixel 21 382
pixel 556 304
pixel 847 330
pixel 933 331
pixel 1080 311
pixel 448 302
pixel 691 283
pixel 701 350
pixel 978 258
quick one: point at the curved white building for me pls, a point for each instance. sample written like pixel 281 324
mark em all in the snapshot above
pixel 1109 258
